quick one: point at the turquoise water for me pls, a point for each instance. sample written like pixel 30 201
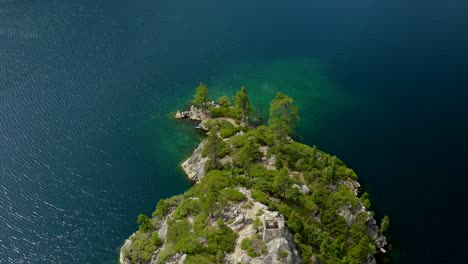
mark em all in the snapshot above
pixel 86 88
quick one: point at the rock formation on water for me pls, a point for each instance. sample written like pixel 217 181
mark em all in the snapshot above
pixel 248 211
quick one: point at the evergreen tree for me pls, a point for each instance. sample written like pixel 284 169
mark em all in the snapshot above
pixel 242 104
pixel 201 96
pixel 246 155
pixel 144 222
pixel 331 171
pixel 213 146
pixel 213 182
pixel 283 115
pixel 385 224
pixel 282 182
pixel 313 155
pixel 224 101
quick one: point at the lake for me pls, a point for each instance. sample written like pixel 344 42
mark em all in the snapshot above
pixel 87 87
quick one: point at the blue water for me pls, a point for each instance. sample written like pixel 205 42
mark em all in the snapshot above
pixel 86 87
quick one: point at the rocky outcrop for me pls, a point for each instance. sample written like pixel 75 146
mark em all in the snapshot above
pixel 278 241
pixel 353 186
pixel 125 248
pixel 195 165
pixel 252 220
pixel 302 188
pixel 350 213
pixel 193 114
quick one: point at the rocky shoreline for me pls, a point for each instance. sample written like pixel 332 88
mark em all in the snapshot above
pixel 251 219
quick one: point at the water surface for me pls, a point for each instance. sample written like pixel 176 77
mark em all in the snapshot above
pixel 86 88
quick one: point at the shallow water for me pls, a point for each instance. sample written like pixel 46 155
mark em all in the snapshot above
pixel 86 87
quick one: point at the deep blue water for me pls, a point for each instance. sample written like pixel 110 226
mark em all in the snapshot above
pixel 85 88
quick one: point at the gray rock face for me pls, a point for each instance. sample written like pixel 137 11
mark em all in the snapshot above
pixel 274 233
pixel 125 248
pixel 350 213
pixel 353 186
pixel 193 114
pixel 194 166
pixel 178 258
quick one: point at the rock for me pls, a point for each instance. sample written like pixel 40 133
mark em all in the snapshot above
pixel 193 113
pixel 194 166
pixel 349 213
pixel 163 229
pixel 302 188
pixel 353 186
pixel 179 115
pixel 274 233
pixel 370 259
pixel 178 258
pixel 125 248
pixel 238 223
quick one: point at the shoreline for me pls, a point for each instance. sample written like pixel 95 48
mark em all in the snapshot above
pixel 200 165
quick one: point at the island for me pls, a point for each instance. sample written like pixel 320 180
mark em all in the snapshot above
pixel 258 196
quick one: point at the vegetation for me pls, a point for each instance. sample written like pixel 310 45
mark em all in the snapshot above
pixel 242 104
pixel 214 146
pixel 254 246
pixel 385 224
pixel 283 115
pixel 196 226
pixel 201 96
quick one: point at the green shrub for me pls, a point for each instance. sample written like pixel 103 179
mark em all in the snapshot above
pixel 178 230
pixel 233 195
pixel 245 244
pixel 257 223
pixel 260 197
pixel 144 222
pixel 221 239
pixel 227 129
pixel 188 207
pixel 198 259
pixel 143 247
pixel 254 247
pixel 282 254
pixel 224 112
pixel 165 205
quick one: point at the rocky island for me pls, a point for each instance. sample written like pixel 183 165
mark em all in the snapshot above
pixel 259 197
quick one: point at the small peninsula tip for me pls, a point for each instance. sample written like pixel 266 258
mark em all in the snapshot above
pixel 259 197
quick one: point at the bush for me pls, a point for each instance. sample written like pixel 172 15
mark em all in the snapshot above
pixel 143 247
pixel 221 239
pixel 178 230
pixel 282 254
pixel 224 112
pixel 144 222
pixel 260 197
pixel 227 129
pixel 164 206
pixel 197 259
pixel 245 244
pixel 233 195
pixel 254 247
pixel 188 207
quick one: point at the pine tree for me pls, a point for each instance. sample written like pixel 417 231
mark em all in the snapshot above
pixel 201 96
pixel 246 155
pixel 213 146
pixel 144 222
pixel 242 104
pixel 282 182
pixel 283 115
pixel 385 224
pixel 224 101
